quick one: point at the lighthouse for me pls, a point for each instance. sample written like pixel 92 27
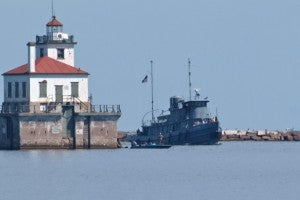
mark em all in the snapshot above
pixel 49 77
pixel 46 100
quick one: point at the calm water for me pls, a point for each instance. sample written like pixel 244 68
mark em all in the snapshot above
pixel 233 170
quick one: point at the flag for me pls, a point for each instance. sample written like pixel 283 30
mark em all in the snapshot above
pixel 145 79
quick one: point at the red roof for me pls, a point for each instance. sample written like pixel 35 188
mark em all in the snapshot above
pixel 54 22
pixel 46 65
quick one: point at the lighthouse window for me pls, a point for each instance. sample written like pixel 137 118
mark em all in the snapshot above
pixel 74 89
pixel 60 53
pixel 9 91
pixel 24 89
pixel 17 89
pixel 43 89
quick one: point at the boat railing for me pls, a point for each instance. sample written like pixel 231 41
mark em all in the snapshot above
pixel 147 122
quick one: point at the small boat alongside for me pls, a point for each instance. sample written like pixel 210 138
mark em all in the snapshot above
pixel 149 146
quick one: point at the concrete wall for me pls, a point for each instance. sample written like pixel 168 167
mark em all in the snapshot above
pixel 103 133
pixel 96 132
pixel 9 132
pixel 81 132
pixel 48 131
pixel 53 80
pixel 43 131
pixel 5 142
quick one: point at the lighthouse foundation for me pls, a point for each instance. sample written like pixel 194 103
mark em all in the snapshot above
pixel 60 130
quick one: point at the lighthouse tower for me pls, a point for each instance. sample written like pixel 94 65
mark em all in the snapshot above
pixel 56 44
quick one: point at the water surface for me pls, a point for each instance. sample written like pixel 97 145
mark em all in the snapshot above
pixel 233 170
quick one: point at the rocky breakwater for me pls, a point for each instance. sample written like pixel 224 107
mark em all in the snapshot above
pixel 261 135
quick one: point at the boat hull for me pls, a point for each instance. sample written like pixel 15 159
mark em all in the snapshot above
pixel 151 147
pixel 206 134
pixel 203 134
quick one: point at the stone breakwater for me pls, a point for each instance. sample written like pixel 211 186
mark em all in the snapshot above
pixel 262 135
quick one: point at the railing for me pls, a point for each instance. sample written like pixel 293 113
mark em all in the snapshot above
pixel 46 39
pixel 76 100
pixel 56 108
pixel 29 109
pixel 81 103
pixel 147 122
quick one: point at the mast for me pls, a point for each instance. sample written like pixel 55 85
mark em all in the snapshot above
pixel 190 84
pixel 152 102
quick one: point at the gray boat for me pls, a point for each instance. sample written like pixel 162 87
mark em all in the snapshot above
pixel 187 122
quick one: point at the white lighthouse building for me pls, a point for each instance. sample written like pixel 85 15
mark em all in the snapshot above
pixel 49 78
pixel 46 103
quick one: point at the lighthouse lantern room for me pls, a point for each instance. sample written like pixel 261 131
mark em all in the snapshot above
pixel 56 44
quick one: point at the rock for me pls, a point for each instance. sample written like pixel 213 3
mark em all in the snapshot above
pixel 266 138
pixel 261 132
pixel 296 137
pixel 233 137
pixel 252 134
pixel 224 137
pixel 272 132
pixel 275 137
pixel 230 132
pixel 295 133
pixel 245 137
pixel 256 138
pixel 241 132
pixel 288 137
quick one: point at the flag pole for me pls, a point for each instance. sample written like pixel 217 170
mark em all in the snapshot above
pixel 152 102
pixel 190 84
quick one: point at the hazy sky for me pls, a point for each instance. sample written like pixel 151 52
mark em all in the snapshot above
pixel 245 53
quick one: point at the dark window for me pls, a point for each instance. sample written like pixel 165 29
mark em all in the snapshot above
pixel 54 29
pixel 43 89
pixel 60 53
pixel 41 52
pixel 59 93
pixel 24 89
pixel 74 89
pixel 17 89
pixel 9 90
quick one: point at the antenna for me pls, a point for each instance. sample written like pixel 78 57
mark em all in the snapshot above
pixel 52 10
pixel 190 84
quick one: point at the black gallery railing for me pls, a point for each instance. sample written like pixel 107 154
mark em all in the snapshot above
pixel 6 109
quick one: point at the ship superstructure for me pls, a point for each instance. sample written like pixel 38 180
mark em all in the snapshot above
pixel 188 122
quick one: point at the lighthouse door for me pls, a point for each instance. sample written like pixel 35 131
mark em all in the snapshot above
pixel 59 93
